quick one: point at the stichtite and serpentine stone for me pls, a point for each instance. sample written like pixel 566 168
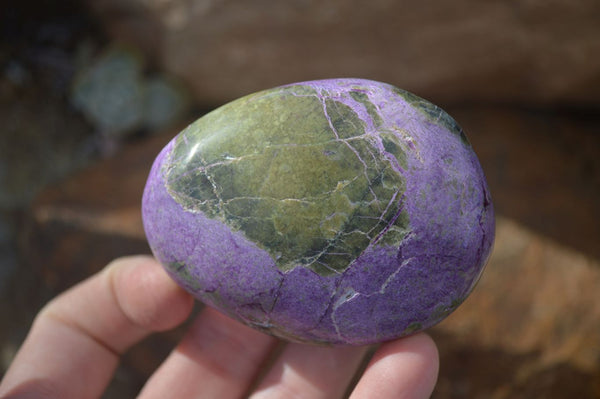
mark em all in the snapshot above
pixel 342 211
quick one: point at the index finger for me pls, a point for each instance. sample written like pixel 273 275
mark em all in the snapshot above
pixel 75 341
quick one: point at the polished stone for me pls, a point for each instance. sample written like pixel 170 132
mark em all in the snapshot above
pixel 334 211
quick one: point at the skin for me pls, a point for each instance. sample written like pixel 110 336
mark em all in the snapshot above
pixel 99 319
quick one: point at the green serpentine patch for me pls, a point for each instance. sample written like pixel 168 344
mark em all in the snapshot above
pixel 296 173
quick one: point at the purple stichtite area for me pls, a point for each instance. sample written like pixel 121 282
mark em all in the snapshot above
pixel 233 208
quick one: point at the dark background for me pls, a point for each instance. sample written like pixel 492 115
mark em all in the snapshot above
pixel 521 77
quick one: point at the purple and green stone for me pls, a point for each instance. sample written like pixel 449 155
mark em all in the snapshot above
pixel 340 211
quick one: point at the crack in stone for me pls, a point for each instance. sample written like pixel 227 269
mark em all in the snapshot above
pixel 394 218
pixel 323 100
pixel 374 167
pixel 316 181
pixel 331 303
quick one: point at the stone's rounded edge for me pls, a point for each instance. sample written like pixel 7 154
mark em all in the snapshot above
pixel 331 309
pixel 407 296
pixel 433 113
pixel 196 253
pixel 334 85
pixel 152 214
pixel 427 110
pixel 464 231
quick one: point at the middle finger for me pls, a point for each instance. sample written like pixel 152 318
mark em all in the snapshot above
pixel 217 358
pixel 304 371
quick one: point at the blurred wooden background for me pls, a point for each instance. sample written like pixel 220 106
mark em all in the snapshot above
pixel 522 79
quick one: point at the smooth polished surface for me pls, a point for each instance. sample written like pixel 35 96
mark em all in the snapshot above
pixel 335 211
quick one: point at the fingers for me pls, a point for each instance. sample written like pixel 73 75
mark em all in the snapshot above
pixel 312 372
pixel 406 368
pixel 74 344
pixel 218 358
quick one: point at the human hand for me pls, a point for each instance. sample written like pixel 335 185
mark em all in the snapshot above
pixel 76 340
